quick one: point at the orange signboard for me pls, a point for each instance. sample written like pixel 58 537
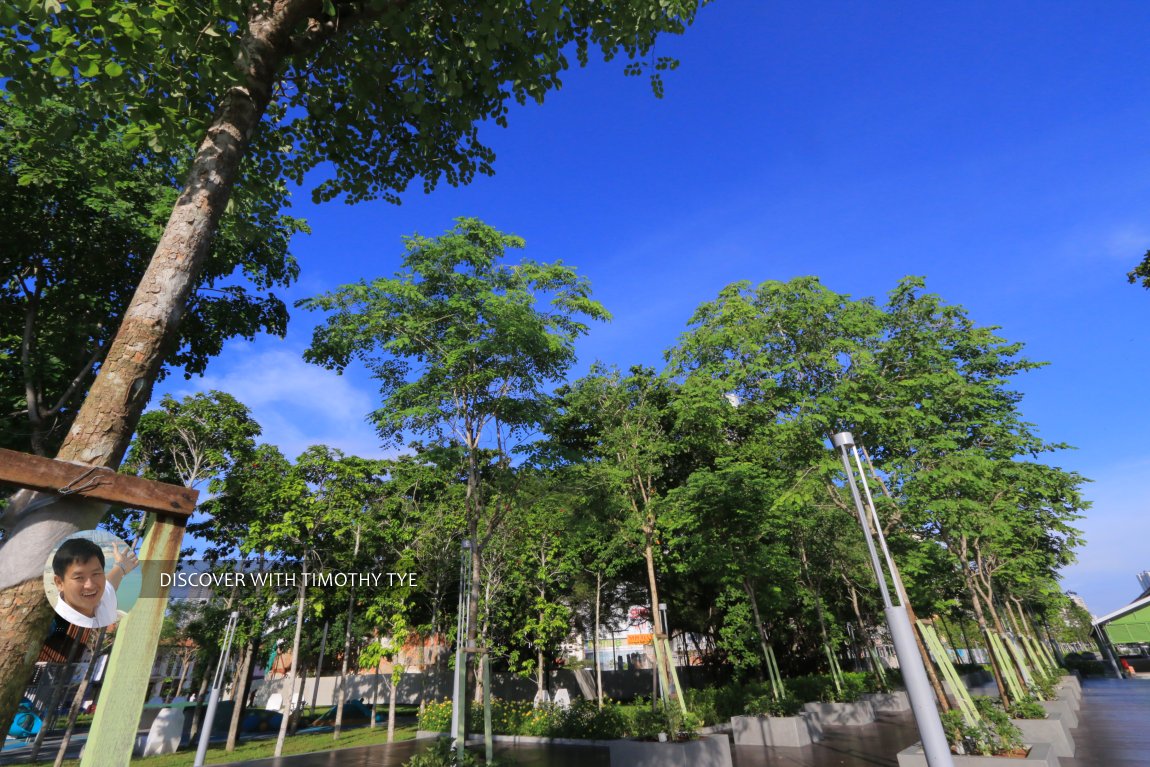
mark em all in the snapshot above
pixel 639 638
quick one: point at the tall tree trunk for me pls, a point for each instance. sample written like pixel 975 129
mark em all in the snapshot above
pixel 474 511
pixel 319 665
pixel 595 642
pixel 662 669
pixel 342 685
pixel 984 627
pixel 240 692
pixel 473 615
pixel 107 419
pixel 965 639
pixel 184 661
pixel 289 695
pixel 201 705
pixel 393 691
pixel 760 629
pixel 375 694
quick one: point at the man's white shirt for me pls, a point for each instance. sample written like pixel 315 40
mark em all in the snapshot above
pixel 106 613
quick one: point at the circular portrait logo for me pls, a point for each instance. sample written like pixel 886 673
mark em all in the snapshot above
pixel 91 579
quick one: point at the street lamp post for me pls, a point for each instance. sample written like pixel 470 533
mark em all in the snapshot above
pixel 214 697
pixel 934 742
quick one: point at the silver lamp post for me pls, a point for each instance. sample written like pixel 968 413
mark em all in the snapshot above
pixel 214 697
pixel 934 743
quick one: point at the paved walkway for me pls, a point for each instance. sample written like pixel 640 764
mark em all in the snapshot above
pixel 1113 731
pixel 396 754
pixel 866 746
pixel 1113 724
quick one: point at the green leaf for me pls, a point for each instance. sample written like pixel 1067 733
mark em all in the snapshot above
pixel 112 69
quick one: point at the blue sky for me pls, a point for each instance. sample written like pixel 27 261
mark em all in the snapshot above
pixel 997 149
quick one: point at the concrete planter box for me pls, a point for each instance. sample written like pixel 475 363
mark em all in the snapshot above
pixel 1050 730
pixel 1040 753
pixel 1069 713
pixel 1069 700
pixel 704 752
pixel 1070 696
pixel 888 702
pixel 1072 679
pixel 1068 692
pixel 790 731
pixel 851 714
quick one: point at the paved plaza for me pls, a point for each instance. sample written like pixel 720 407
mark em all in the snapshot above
pixel 1113 731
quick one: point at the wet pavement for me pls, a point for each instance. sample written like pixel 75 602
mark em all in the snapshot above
pixel 1113 731
pixel 865 746
pixel 396 754
pixel 1113 724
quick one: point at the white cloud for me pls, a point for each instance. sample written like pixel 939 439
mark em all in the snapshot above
pixel 1126 243
pixel 296 403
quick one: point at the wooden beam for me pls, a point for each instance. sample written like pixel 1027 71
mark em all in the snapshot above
pixel 96 482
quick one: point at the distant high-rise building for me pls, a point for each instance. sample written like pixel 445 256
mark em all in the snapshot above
pixel 1077 600
pixel 1144 580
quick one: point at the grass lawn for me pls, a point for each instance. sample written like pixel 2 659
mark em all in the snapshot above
pixel 261 749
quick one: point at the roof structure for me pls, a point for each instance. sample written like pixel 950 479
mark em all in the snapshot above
pixel 1130 624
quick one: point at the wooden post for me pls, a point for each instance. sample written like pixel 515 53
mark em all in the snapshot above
pixel 125 685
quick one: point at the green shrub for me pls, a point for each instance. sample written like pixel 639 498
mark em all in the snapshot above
pixel 436 716
pixel 704 702
pixel 1027 708
pixel 768 705
pixel 855 683
pixel 983 738
pixel 993 734
pixel 815 688
pixel 718 704
pixel 1045 685
pixel 1085 666
pixel 812 688
pixel 441 754
pixel 647 724
pixel 584 719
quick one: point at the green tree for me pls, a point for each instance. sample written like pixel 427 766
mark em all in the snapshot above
pixel 462 351
pixel 959 458
pixel 78 219
pixel 773 369
pixel 381 92
pixel 194 440
pixel 621 425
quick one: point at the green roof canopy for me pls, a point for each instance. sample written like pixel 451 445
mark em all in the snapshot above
pixel 1129 625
